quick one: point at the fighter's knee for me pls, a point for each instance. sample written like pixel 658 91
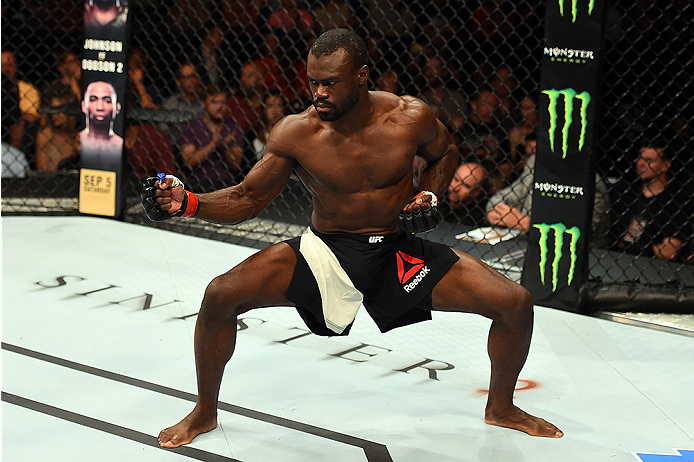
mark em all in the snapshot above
pixel 217 302
pixel 525 299
pixel 520 303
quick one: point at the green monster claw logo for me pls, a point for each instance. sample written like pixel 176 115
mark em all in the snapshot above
pixel 559 231
pixel 574 8
pixel 569 94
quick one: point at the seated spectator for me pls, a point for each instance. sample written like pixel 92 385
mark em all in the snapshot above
pixel 57 140
pixel 448 105
pixel 274 108
pixel 149 151
pixel 212 146
pixel 525 122
pixel 28 101
pixel 212 56
pixel 188 98
pixel 12 122
pixel 504 84
pixel 246 103
pixel 273 63
pixel 140 92
pixel 484 131
pixel 467 195
pixel 503 170
pixel 483 139
pixel 511 206
pixel 69 75
pixel 29 98
pixel 298 92
pixel 652 216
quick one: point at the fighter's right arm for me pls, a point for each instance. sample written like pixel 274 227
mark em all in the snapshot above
pixel 246 200
pixel 240 202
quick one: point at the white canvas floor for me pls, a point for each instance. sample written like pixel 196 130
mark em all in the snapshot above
pixel 97 358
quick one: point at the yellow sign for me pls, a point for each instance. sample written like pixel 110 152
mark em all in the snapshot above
pixel 97 192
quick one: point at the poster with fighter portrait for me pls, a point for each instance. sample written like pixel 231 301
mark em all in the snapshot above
pixel 104 80
pixel 557 260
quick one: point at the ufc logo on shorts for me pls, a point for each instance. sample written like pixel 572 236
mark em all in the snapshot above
pixel 375 239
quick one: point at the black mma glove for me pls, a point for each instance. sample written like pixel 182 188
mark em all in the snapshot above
pixel 189 207
pixel 420 220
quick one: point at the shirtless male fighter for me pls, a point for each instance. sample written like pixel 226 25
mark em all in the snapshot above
pixel 354 151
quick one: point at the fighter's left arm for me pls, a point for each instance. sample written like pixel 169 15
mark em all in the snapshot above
pixel 441 154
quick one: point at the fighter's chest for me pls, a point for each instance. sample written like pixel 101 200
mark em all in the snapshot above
pixel 358 162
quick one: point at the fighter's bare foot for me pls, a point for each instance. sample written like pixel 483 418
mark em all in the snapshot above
pixel 520 420
pixel 185 430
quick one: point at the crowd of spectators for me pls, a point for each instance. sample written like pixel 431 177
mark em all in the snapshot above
pixel 236 67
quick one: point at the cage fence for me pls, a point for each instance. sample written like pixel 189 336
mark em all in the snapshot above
pixel 476 63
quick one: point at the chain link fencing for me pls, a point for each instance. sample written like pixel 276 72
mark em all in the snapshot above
pixel 477 63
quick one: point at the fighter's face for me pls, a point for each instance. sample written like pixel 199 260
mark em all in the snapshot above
pixel 334 83
pixel 101 104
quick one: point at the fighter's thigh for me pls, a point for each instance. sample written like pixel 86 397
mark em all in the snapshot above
pixel 473 286
pixel 259 281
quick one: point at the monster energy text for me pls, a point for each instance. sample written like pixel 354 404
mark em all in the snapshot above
pixel 562 191
pixel 569 95
pixel 560 230
pixel 569 55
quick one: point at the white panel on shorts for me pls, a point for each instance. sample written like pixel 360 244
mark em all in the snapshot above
pixel 340 299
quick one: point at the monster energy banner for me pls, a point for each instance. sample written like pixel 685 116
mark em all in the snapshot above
pixel 104 80
pixel 556 263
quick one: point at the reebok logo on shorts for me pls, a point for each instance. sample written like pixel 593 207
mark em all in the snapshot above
pixel 408 267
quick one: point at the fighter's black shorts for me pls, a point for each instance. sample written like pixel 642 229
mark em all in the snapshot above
pixel 395 273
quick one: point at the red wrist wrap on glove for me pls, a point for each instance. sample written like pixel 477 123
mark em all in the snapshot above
pixel 434 197
pixel 192 206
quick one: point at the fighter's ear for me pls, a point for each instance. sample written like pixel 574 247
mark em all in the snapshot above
pixel 363 75
pixel 116 110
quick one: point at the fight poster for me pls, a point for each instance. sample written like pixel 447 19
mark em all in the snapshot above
pixel 104 80
pixel 556 262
